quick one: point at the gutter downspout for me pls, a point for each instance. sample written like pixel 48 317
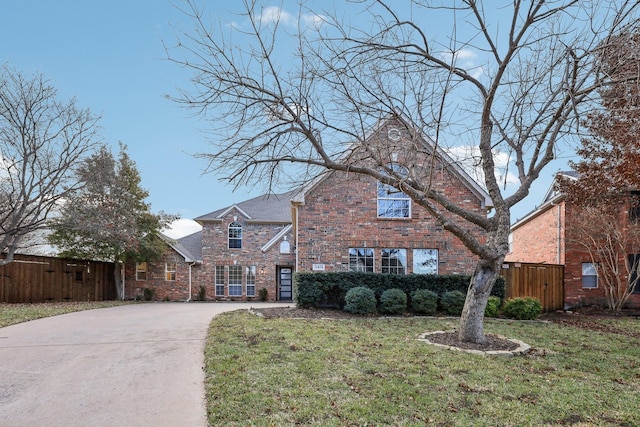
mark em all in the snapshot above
pixel 296 234
pixel 191 264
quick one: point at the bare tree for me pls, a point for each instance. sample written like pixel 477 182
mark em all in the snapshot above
pixel 41 140
pixel 611 243
pixel 509 79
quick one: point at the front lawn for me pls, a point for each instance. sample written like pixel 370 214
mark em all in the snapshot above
pixel 285 372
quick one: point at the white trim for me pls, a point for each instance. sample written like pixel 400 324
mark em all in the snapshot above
pixel 276 238
pixel 230 208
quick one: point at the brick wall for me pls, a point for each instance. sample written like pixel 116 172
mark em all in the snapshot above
pixel 541 239
pixel 215 251
pixel 341 212
pixel 575 294
pixel 156 281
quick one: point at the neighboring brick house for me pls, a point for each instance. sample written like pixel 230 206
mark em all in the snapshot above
pixel 170 278
pixel 246 247
pixel 338 222
pixel 546 236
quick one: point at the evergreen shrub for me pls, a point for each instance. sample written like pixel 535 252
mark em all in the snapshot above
pixel 527 308
pixel 360 300
pixel 452 302
pixel 424 301
pixel 393 301
pixel 493 306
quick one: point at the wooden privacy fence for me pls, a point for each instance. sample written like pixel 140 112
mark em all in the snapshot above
pixel 30 279
pixel 542 281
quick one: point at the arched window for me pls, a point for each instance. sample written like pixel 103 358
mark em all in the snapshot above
pixel 393 203
pixel 235 235
pixel 285 247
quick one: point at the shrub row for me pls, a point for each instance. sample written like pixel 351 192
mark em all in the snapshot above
pixel 330 289
pixel 362 300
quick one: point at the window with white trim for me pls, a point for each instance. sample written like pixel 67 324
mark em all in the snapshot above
pixel 589 276
pixel 425 261
pixel 394 261
pixel 219 280
pixel 170 268
pixel 235 235
pixel 361 259
pixel 235 280
pixel 251 281
pixel 393 203
pixel 141 271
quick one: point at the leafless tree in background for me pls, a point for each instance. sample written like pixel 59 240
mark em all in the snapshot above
pixel 41 141
pixel 507 78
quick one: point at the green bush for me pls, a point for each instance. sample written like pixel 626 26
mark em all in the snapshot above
pixel 452 302
pixel 263 294
pixel 360 300
pixel 493 306
pixel 527 308
pixel 424 301
pixel 149 294
pixel 393 301
pixel 310 297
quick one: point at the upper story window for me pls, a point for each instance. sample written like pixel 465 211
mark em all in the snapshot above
pixel 235 235
pixel 393 203
pixel 285 247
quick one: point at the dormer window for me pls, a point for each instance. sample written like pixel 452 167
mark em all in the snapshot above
pixel 393 203
pixel 235 235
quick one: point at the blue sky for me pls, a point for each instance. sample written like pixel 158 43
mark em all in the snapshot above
pixel 109 55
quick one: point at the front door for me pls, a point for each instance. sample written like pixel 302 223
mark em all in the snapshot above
pixel 285 284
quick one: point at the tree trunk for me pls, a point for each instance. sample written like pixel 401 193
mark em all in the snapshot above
pixel 118 280
pixel 472 318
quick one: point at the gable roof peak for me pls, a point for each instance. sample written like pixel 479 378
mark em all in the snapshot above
pixel 266 208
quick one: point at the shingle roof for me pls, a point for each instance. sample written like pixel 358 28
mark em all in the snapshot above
pixel 265 208
pixel 192 245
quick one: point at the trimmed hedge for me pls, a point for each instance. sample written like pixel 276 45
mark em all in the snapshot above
pixel 527 308
pixel 452 302
pixel 393 301
pixel 424 301
pixel 329 289
pixel 360 300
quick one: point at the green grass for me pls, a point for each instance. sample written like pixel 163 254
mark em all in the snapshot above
pixel 285 372
pixel 10 314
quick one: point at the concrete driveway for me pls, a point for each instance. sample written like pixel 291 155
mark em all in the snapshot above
pixel 132 365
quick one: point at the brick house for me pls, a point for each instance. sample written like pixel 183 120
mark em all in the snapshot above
pixel 338 222
pixel 353 222
pixel 546 236
pixel 170 278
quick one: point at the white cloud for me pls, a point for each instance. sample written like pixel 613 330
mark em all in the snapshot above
pixel 182 227
pixel 273 14
pixel 465 59
pixel 469 158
